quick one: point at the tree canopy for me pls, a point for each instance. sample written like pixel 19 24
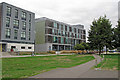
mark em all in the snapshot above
pixel 100 34
pixel 117 35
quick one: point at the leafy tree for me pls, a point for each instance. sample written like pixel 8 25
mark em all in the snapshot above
pixel 86 46
pixel 81 46
pixel 100 34
pixel 117 35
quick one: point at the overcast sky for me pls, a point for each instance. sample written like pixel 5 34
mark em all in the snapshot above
pixel 71 11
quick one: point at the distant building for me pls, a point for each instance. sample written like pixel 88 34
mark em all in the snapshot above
pixel 118 10
pixel 55 35
pixel 16 28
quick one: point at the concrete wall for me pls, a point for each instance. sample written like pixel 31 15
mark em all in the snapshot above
pixel 18 47
pixel 40 32
pixel 42 47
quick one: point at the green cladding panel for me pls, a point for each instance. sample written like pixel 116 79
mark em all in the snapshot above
pixel 40 32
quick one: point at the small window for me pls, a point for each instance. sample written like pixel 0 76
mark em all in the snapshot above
pixel 16 23
pixel 29 26
pixel 22 47
pixel 29 36
pixel 8 33
pixel 7 21
pixel 23 16
pixel 24 25
pixel 15 34
pixel 13 47
pixel 29 17
pixel 8 11
pixel 16 13
pixel 29 47
pixel 23 35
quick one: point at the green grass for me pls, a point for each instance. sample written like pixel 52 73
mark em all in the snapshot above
pixel 28 66
pixel 110 62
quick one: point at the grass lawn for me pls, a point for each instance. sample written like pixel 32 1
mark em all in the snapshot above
pixel 28 66
pixel 110 62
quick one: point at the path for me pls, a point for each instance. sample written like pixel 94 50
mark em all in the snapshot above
pixel 80 71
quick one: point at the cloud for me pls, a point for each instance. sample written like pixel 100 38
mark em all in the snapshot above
pixel 71 11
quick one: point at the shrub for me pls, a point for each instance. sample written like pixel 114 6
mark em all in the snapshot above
pixel 69 51
pixel 52 52
pixel 25 53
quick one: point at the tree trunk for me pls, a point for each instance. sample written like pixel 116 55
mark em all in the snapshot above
pixel 99 50
pixel 106 50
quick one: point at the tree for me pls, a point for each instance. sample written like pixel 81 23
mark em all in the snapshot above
pixel 100 34
pixel 81 46
pixel 86 46
pixel 117 35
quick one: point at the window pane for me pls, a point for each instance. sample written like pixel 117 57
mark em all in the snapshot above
pixel 8 11
pixel 8 33
pixel 7 22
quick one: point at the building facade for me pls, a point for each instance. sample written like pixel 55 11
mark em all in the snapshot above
pixel 55 35
pixel 16 28
pixel 118 10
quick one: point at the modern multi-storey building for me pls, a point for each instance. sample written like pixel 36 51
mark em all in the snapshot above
pixel 119 10
pixel 54 35
pixel 16 28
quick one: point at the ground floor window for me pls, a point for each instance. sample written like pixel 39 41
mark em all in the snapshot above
pixel 29 47
pixel 22 47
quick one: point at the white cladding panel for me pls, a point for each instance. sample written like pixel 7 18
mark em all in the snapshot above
pixel 19 45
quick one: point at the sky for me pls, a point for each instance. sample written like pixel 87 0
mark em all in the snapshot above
pixel 71 11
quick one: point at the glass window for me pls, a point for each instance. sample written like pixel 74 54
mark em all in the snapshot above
pixel 55 25
pixel 29 47
pixel 76 30
pixel 15 34
pixel 8 11
pixel 64 27
pixel 7 22
pixel 29 36
pixel 29 17
pixel 23 16
pixel 23 35
pixel 69 41
pixel 24 25
pixel 72 29
pixel 22 47
pixel 16 13
pixel 29 26
pixel 67 28
pixel 63 33
pixel 53 31
pixel 16 23
pixel 59 32
pixel 59 26
pixel 66 40
pixel 55 39
pixel 70 34
pixel 62 40
pixel 8 33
